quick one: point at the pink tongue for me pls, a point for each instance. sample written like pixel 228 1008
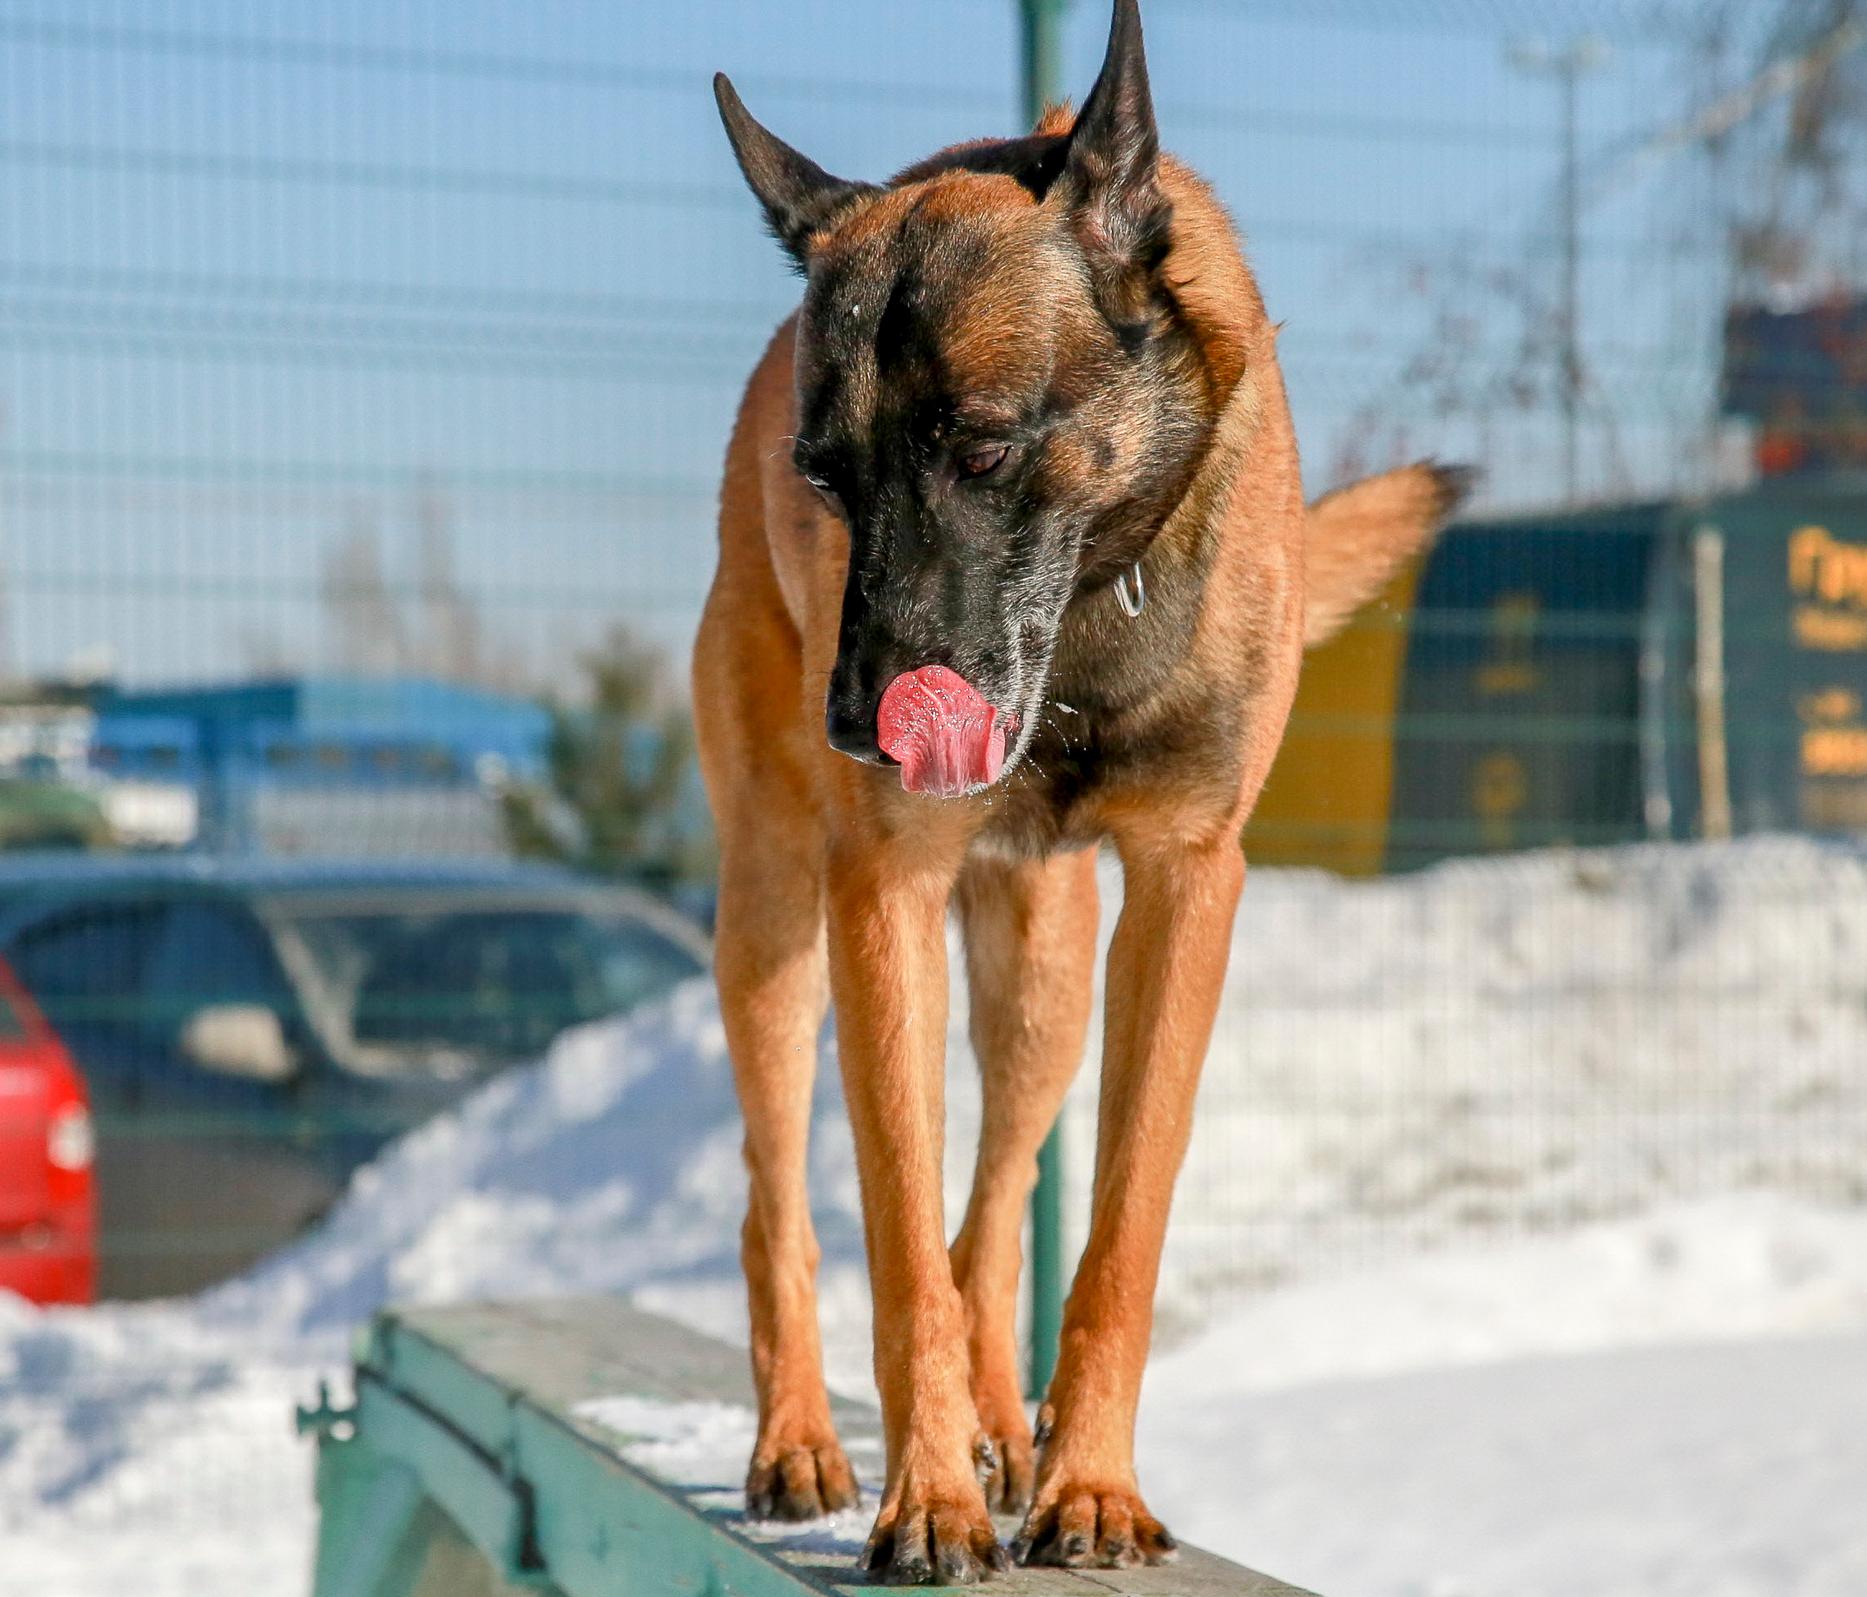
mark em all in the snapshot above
pixel 947 739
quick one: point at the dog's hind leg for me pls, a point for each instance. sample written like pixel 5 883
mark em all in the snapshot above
pixel 771 967
pixel 1030 931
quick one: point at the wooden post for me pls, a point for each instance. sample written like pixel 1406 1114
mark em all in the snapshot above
pixel 1714 766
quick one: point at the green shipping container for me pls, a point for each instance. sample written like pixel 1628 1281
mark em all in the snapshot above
pixel 1647 670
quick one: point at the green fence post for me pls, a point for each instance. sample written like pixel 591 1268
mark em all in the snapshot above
pixel 1047 1261
pixel 1041 34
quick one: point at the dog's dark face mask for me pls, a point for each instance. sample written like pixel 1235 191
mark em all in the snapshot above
pixel 996 397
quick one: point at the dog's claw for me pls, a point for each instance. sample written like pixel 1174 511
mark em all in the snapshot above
pixel 943 1546
pixel 801 1483
pixel 1007 1482
pixel 1092 1530
pixel 1046 1422
pixel 985 1459
pixel 909 1567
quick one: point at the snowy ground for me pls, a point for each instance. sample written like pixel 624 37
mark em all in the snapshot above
pixel 1546 1176
pixel 1677 1472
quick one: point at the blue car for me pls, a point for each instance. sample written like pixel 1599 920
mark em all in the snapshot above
pixel 252 1032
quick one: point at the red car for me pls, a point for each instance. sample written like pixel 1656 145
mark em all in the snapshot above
pixel 48 1217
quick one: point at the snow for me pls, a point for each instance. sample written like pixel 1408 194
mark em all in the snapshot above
pixel 1737 1267
pixel 1523 1247
pixel 1505 1047
pixel 704 1446
pixel 1665 1472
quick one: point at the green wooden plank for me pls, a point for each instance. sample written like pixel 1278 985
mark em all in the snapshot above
pixel 486 1400
pixel 445 1381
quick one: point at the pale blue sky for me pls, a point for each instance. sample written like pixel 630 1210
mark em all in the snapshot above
pixel 266 268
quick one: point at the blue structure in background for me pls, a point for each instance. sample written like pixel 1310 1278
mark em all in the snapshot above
pixel 241 745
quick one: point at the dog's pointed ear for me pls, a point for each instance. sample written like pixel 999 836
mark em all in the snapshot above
pixel 798 196
pixel 1111 173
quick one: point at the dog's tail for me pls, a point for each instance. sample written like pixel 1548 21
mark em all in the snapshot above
pixel 1358 536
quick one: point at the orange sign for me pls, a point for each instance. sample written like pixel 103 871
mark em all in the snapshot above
pixel 1509 665
pixel 1834 742
pixel 1830 575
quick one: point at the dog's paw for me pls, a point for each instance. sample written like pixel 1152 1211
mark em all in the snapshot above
pixel 930 1541
pixel 1085 1527
pixel 1004 1454
pixel 800 1482
pixel 1007 1467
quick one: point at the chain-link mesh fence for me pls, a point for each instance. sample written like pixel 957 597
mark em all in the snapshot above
pixel 364 377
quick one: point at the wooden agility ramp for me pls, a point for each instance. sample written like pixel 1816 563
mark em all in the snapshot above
pixel 580 1448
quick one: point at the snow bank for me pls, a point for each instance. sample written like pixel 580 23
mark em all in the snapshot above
pixel 1480 1051
pixel 1646 1069
pixel 1514 1046
pixel 140 1452
pixel 612 1163
pixel 1737 1267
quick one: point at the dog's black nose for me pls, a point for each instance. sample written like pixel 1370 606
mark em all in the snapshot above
pixel 852 732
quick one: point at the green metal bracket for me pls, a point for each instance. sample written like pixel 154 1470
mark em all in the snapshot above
pixel 491 1503
pixel 369 1511
pixel 384 1458
pixel 325 1418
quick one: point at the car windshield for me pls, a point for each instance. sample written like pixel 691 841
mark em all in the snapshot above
pixel 450 991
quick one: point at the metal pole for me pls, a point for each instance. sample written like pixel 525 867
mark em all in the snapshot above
pixel 1041 37
pixel 1571 70
pixel 1567 66
pixel 1047 1261
pixel 1041 33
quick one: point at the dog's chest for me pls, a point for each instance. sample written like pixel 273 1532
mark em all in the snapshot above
pixel 1054 800
pixel 1081 769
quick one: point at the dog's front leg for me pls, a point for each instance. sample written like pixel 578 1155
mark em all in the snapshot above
pixel 888 973
pixel 1030 931
pixel 1166 968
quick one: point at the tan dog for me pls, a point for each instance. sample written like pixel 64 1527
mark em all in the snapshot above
pixel 1013 560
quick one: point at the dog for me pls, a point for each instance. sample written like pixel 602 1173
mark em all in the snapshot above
pixel 1014 561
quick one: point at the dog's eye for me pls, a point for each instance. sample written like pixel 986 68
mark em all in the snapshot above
pixel 982 462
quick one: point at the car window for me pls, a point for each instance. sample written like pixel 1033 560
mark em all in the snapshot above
pixel 510 981
pixel 635 963
pixel 85 967
pixel 208 954
pixel 434 989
